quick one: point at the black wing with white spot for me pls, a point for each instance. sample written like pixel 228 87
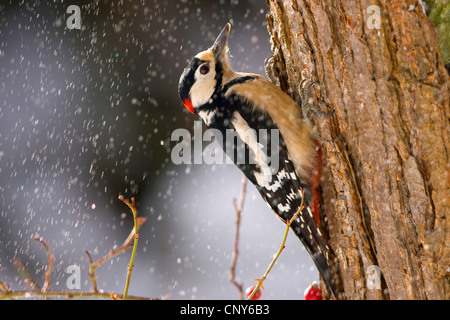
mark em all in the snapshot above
pixel 282 190
pixel 283 194
pixel 267 165
pixel 285 201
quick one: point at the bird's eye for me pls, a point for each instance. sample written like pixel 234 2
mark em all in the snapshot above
pixel 204 69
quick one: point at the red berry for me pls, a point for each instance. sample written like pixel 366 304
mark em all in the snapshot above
pixel 313 292
pixel 249 291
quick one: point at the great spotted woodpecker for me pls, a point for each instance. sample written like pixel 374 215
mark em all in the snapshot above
pixel 244 102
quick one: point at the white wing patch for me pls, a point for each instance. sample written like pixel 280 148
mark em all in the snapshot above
pixel 284 208
pixel 248 135
pixel 292 195
pixel 207 116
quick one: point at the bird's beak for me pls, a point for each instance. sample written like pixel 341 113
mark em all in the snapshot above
pixel 220 46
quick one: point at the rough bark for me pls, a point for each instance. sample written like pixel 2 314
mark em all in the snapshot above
pixel 386 180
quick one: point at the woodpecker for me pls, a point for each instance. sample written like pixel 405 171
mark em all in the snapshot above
pixel 246 102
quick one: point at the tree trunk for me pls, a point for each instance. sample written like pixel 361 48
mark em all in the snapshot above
pixel 386 181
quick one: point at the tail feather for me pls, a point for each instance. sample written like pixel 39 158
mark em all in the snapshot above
pixel 306 230
pixel 325 270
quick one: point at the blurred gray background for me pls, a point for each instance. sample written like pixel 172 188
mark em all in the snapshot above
pixel 86 115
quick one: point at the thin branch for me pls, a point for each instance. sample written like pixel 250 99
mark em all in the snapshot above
pixel 35 291
pixel 238 208
pixel 4 287
pixel 288 225
pixel 92 272
pixel 51 258
pixel 69 295
pixel 132 206
pixel 127 244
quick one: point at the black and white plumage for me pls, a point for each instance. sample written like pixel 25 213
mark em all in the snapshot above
pixel 228 100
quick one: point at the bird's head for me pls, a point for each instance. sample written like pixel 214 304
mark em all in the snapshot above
pixel 204 72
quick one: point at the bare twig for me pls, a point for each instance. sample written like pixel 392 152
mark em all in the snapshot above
pixel 238 208
pixel 51 258
pixel 69 295
pixel 288 225
pixel 127 244
pixel 4 287
pixel 132 206
pixel 36 291
pixel 92 272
